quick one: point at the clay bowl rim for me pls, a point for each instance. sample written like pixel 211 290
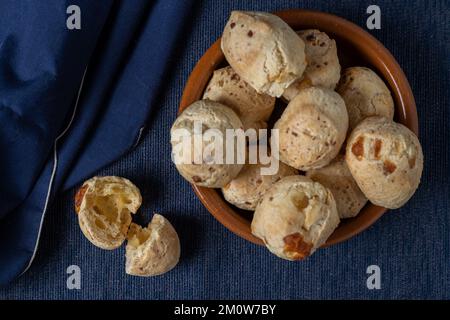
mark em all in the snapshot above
pixel 380 59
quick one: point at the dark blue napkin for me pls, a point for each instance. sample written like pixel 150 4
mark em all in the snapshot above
pixel 72 101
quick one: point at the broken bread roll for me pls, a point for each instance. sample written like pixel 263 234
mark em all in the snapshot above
pixel 337 178
pixel 104 206
pixel 312 129
pixel 154 250
pixel 323 69
pixel 386 160
pixel 365 95
pixel 263 50
pixel 201 116
pixel 295 217
pixel 253 108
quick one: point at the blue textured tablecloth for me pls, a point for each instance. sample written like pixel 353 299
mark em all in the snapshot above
pixel 411 245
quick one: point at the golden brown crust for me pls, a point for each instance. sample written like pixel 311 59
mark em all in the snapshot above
pixel 295 247
pixel 79 196
pixel 358 147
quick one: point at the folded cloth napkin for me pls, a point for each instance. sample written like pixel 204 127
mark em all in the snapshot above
pixel 72 101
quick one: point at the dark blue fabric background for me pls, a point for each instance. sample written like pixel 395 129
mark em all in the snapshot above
pixel 411 245
pixel 125 48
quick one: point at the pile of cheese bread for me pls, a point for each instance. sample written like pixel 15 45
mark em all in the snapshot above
pixel 338 144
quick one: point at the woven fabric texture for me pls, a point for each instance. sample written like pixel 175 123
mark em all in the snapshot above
pixel 411 245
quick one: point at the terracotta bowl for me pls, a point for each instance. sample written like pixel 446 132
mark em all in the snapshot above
pixel 356 47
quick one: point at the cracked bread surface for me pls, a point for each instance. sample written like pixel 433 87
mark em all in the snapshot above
pixel 253 108
pixel 337 178
pixel 154 250
pixel 312 128
pixel 323 68
pixel 263 50
pixel 295 217
pixel 365 95
pixel 247 189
